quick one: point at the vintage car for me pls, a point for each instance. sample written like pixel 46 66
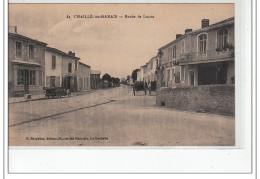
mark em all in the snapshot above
pixel 56 92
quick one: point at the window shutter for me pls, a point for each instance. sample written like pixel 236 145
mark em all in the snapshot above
pixel 48 81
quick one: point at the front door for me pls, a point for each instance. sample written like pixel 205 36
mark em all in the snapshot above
pixel 191 78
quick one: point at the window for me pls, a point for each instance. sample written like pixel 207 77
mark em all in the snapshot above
pixel 26 77
pixel 69 67
pixel 20 77
pixel 202 39
pixel 174 52
pixel 182 73
pixel 183 46
pixel 32 78
pixel 76 64
pixel 31 52
pixel 222 37
pixel 52 81
pixel 53 62
pixel 19 49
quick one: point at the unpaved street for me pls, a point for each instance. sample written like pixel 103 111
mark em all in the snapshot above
pixel 114 117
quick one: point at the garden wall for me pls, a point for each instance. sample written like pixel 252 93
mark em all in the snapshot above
pixel 219 99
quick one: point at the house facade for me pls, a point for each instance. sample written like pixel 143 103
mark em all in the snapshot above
pixel 61 69
pixel 26 61
pixel 138 74
pixel 94 79
pixel 151 70
pixel 69 71
pixel 53 67
pixel 83 76
pixel 200 57
pixel 211 58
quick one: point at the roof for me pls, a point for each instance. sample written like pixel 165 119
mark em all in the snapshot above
pixel 84 64
pixel 26 38
pixel 60 52
pixel 225 22
pixel 95 72
pixel 153 58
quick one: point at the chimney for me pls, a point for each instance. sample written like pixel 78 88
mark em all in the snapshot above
pixel 178 36
pixel 204 23
pixel 71 54
pixel 12 29
pixel 187 30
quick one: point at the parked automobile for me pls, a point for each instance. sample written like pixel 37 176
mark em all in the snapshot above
pixel 56 92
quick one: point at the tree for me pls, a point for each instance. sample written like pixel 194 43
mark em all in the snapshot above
pixel 128 77
pixel 116 81
pixel 134 75
pixel 106 77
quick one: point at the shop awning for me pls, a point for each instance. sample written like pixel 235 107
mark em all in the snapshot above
pixel 28 63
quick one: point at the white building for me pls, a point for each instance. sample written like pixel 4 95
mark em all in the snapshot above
pixel 61 69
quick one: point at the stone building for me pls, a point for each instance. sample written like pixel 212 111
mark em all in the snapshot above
pixel 94 79
pixel 83 76
pixel 201 57
pixel 26 58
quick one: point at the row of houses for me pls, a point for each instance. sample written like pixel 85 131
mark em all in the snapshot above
pixel 33 65
pixel 200 57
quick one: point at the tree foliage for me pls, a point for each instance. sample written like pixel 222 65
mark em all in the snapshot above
pixel 106 77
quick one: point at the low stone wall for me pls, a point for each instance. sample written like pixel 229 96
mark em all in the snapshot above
pixel 219 99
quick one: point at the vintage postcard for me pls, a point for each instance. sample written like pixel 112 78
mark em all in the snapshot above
pixel 121 75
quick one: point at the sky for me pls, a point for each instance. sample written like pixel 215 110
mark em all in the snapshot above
pixel 115 46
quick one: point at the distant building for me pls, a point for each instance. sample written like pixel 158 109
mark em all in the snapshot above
pixel 138 74
pixel 94 79
pixel 151 69
pixel 26 58
pixel 84 76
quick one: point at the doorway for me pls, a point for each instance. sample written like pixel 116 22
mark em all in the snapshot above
pixel 26 81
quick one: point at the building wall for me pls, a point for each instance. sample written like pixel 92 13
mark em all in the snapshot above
pixel 212 41
pixel 139 75
pixel 94 81
pixel 211 52
pixel 84 77
pixel 69 76
pixel 53 72
pixel 64 70
pixel 14 88
pixel 142 74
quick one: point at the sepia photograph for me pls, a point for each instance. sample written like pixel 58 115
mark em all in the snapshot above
pixel 121 75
